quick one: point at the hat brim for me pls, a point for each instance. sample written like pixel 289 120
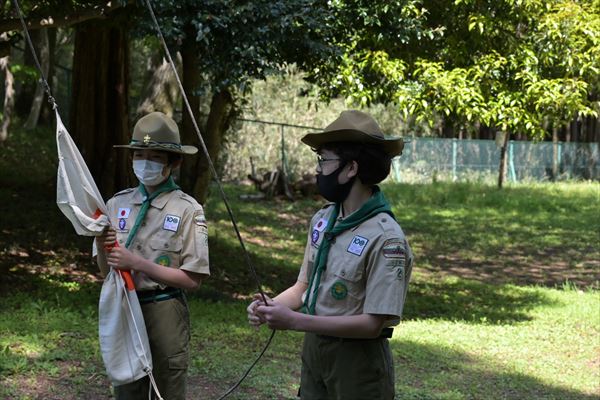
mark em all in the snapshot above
pixel 392 146
pixel 182 150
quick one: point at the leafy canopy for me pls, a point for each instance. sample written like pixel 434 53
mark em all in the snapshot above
pixel 506 64
pixel 237 41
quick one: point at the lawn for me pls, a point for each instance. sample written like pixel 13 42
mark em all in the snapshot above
pixel 504 302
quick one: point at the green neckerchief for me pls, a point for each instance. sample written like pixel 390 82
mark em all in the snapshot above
pixel 168 186
pixel 375 205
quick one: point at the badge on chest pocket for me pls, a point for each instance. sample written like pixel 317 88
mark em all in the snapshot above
pixel 171 223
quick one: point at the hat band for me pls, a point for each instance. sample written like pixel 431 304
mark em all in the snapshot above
pixel 152 143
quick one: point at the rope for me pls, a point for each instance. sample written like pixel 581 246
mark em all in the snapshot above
pixel 210 163
pixel 222 192
pixel 43 80
pixel 52 101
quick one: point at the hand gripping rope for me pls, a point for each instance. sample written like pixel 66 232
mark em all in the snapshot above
pixel 213 171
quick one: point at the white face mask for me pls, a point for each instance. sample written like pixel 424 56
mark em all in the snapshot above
pixel 149 172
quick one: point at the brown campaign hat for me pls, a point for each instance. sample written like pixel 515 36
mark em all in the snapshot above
pixel 355 126
pixel 156 131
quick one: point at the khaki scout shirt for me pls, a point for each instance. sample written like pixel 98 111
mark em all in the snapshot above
pixel 367 271
pixel 173 234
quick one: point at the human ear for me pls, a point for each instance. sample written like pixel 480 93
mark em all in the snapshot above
pixel 353 169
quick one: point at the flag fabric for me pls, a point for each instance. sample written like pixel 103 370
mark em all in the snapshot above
pixel 77 195
pixel 123 337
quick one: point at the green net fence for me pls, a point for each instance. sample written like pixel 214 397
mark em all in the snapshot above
pixel 426 159
pixel 266 146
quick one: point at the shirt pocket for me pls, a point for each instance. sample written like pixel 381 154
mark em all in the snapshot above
pixel 166 251
pixel 349 276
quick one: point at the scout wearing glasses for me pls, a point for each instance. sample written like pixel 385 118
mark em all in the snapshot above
pixel 162 238
pixel 354 278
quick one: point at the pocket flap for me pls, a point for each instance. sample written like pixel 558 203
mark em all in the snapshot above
pixel 167 244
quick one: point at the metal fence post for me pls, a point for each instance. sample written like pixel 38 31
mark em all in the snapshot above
pixel 283 166
pixel 396 169
pixel 454 151
pixel 511 160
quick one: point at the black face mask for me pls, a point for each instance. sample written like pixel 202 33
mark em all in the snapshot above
pixel 331 189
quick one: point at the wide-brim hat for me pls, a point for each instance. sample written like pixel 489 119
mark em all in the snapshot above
pixel 156 131
pixel 357 127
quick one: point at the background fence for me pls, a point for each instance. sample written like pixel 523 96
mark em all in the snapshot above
pixel 425 159
pixel 270 145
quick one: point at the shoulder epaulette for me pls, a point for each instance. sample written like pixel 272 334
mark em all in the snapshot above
pixel 387 223
pixel 128 190
pixel 188 198
pixel 327 205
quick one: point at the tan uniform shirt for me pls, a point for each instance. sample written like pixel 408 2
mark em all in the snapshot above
pixel 173 234
pixel 367 271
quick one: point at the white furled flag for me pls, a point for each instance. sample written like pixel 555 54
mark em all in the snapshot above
pixel 123 337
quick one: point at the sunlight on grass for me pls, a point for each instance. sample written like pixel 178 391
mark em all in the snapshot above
pixel 501 303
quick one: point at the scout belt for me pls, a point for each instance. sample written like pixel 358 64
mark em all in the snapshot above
pixel 386 333
pixel 156 295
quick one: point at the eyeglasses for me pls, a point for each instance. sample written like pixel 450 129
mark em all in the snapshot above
pixel 321 160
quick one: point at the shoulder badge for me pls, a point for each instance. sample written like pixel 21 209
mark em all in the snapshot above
pixel 200 219
pixel 394 248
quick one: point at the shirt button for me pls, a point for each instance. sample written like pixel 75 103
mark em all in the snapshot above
pixel 343 273
pixel 166 245
pixel 384 220
pixel 143 224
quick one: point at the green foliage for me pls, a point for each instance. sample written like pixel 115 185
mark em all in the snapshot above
pixel 509 65
pixel 24 73
pixel 237 41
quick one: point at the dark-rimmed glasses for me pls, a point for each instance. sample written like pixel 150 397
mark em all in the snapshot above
pixel 321 160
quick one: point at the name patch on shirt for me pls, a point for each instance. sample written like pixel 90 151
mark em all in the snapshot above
pixel 357 245
pixel 171 223
pixel 123 213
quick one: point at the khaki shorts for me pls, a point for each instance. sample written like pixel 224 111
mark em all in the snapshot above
pixel 346 369
pixel 168 326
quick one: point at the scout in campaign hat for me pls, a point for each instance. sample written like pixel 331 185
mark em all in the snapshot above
pixel 353 280
pixel 162 240
pixel 355 126
pixel 156 131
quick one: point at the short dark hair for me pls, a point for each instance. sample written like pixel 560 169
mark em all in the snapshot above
pixel 373 162
pixel 173 157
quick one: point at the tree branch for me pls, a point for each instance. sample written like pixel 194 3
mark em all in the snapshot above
pixel 54 21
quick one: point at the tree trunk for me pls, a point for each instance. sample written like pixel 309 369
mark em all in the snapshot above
pixel 502 168
pixel 219 119
pixel 25 90
pixel 43 54
pixel 195 172
pixel 99 110
pixel 191 83
pixel 161 91
pixel 9 98
pixel 47 114
pixel 554 153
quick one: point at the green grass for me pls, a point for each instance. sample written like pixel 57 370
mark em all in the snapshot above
pixel 503 304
